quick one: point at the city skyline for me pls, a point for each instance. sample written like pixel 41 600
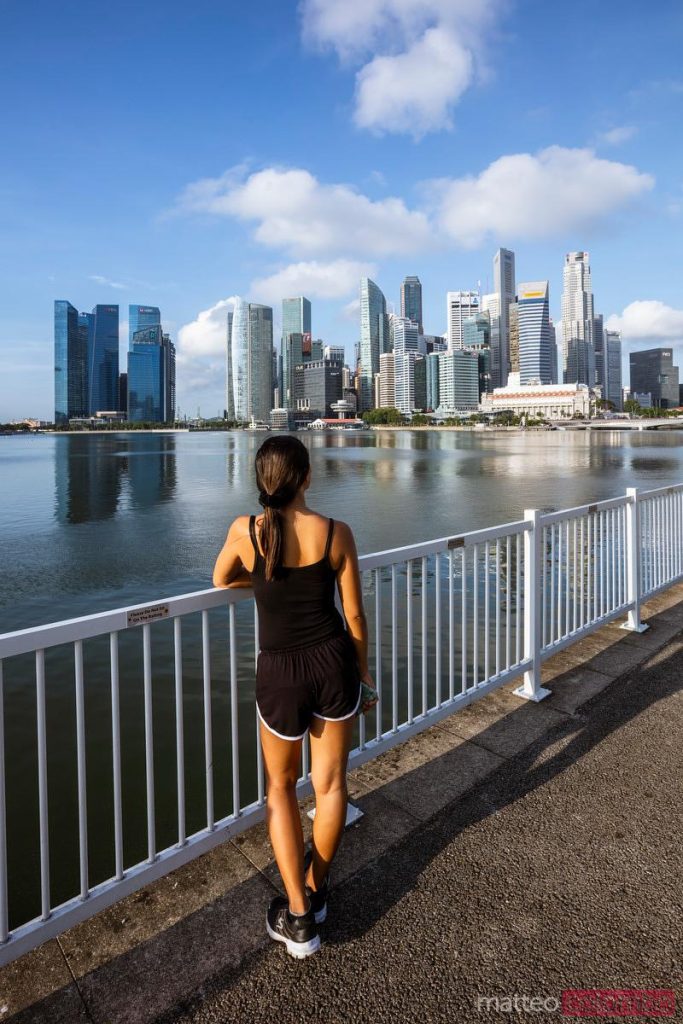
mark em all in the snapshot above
pixel 551 165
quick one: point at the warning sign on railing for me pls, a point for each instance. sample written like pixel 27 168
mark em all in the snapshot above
pixel 149 614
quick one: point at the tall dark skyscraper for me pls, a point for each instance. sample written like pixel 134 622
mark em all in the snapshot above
pixel 411 301
pixel 653 371
pixel 103 358
pixel 71 364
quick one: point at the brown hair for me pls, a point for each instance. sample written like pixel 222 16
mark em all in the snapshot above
pixel 281 464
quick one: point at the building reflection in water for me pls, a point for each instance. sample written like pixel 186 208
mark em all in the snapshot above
pixel 92 471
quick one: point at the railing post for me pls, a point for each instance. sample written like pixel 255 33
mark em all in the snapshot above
pixel 533 596
pixel 633 580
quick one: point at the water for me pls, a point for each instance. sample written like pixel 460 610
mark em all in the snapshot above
pixel 91 522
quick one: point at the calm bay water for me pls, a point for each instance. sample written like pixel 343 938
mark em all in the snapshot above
pixel 93 522
pixel 90 522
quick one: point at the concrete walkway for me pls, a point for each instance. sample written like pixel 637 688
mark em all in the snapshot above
pixel 511 849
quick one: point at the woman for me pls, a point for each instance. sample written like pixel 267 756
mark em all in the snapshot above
pixel 308 674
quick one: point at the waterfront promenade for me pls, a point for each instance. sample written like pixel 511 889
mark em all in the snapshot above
pixel 510 848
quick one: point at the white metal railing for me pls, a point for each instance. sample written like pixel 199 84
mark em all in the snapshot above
pixel 449 620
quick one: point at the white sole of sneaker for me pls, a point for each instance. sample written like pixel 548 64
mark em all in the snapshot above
pixel 295 949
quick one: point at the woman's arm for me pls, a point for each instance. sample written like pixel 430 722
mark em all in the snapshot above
pixel 229 571
pixel 351 593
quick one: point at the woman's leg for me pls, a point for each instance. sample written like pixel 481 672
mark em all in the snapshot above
pixel 281 761
pixel 330 745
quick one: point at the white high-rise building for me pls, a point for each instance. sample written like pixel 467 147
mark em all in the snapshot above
pixel 374 338
pixel 387 393
pixel 459 306
pixel 578 355
pixel 252 360
pixel 504 287
pixel 404 334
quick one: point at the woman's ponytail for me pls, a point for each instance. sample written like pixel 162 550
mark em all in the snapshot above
pixel 282 465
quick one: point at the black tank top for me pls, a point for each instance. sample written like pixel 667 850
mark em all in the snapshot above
pixel 296 608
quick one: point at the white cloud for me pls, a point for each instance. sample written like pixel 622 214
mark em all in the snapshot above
pixel 420 55
pixel 316 280
pixel 205 336
pixel 293 211
pixel 556 191
pixel 397 94
pixel 615 136
pixel 648 320
pixel 107 282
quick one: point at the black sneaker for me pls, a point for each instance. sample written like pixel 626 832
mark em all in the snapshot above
pixel 299 934
pixel 319 897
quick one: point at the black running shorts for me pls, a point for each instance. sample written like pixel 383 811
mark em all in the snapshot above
pixel 294 685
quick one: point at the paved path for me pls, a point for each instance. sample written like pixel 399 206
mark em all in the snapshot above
pixel 562 870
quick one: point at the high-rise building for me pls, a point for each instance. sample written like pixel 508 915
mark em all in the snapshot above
pixel 432 380
pixel 296 320
pixel 459 306
pixel 229 390
pixel 612 356
pixel 504 287
pixel 123 393
pixel 411 300
pixel 535 336
pixel 387 380
pixel 336 353
pixel 151 376
pixel 71 364
pixel 317 384
pixel 513 337
pixel 252 360
pixel 374 338
pixel 653 371
pixel 140 317
pixel 490 304
pixel 599 352
pixel 146 376
pixel 103 358
pixel 404 334
pixel 410 382
pixel 476 331
pixel 578 354
pixel 458 381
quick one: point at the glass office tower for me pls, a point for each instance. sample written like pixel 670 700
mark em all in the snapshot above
pixel 140 317
pixel 146 377
pixel 374 338
pixel 411 301
pixel 103 358
pixel 71 363
pixel 536 339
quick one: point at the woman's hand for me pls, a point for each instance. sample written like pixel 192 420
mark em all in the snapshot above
pixel 367 702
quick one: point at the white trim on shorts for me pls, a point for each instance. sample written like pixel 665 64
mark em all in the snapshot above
pixel 274 731
pixel 360 694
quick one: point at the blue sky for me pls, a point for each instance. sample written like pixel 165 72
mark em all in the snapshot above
pixel 178 155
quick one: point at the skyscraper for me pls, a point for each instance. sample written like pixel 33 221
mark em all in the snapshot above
pixel 599 352
pixel 653 371
pixel 403 333
pixel 535 335
pixel 103 358
pixel 411 301
pixel 491 304
pixel 578 355
pixel 374 338
pixel 229 391
pixel 151 376
pixel 504 286
pixel 459 305
pixel 296 320
pixel 612 357
pixel 252 360
pixel 140 317
pixel 71 363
